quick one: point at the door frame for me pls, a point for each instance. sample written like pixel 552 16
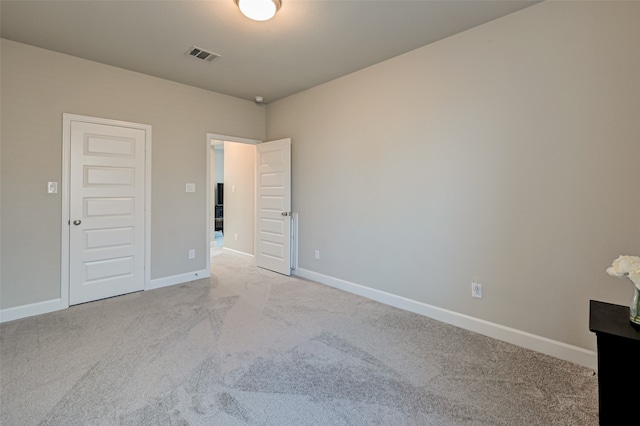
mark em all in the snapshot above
pixel 208 146
pixel 67 118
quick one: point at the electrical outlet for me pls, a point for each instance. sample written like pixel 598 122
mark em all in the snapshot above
pixel 192 254
pixel 316 255
pixel 235 236
pixel 476 289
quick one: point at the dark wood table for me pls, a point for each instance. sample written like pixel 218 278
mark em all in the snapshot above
pixel 618 361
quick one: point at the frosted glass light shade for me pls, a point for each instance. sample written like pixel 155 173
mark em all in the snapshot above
pixel 258 10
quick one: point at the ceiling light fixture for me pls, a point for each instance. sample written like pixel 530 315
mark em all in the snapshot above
pixel 259 10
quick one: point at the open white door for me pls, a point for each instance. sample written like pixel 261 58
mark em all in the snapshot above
pixel 273 206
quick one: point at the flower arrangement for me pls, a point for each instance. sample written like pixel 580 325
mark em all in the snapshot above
pixel 626 266
pixel 629 266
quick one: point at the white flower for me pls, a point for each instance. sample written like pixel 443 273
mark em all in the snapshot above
pixel 634 275
pixel 623 265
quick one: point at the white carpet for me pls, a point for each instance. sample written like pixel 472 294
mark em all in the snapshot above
pixel 252 347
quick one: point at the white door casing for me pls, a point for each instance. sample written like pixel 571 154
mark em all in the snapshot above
pixel 273 206
pixel 107 208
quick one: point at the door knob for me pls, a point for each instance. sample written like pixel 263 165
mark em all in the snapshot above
pixel 77 222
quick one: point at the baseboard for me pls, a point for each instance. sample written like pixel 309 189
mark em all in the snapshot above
pixel 10 314
pixel 520 338
pixel 178 279
pixel 238 252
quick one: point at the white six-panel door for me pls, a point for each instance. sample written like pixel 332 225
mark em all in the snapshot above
pixel 106 211
pixel 273 206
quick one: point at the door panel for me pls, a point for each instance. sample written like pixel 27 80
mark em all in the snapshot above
pixel 106 205
pixel 273 209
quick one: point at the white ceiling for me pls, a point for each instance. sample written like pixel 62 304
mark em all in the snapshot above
pixel 309 42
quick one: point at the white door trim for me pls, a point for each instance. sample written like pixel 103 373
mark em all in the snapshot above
pixel 217 137
pixel 65 192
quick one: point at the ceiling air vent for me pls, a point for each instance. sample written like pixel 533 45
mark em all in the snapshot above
pixel 199 53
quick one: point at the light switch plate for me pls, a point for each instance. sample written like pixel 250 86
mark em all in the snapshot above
pixel 191 187
pixel 52 187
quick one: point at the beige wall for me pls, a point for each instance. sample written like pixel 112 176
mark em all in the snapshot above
pixel 508 153
pixel 38 86
pixel 239 196
pixel 219 165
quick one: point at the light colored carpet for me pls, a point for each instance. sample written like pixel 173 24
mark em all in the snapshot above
pixel 252 347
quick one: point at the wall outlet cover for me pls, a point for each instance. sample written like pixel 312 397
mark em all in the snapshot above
pixel 476 290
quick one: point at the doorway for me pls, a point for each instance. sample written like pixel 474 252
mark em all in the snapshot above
pixel 217 196
pixel 256 201
pixel 230 206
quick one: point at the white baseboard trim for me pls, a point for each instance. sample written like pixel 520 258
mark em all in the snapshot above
pixel 178 279
pixel 516 337
pixel 238 252
pixel 10 314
